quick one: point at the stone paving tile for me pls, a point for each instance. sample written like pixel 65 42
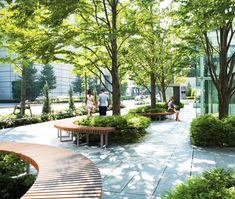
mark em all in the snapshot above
pixel 145 181
pixel 203 159
pixel 168 181
pixel 225 160
pixel 113 195
pixel 119 177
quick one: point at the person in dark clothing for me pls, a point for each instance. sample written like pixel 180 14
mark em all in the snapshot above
pixel 171 108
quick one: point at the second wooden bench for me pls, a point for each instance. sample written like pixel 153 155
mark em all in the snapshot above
pixel 158 116
pixel 71 128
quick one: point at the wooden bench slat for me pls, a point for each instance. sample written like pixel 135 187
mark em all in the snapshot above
pixel 62 173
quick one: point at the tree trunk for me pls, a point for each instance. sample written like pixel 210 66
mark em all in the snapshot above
pixel 223 106
pixel 163 89
pixel 222 78
pixel 23 92
pixel 115 92
pixel 115 73
pixel 164 95
pixel 153 90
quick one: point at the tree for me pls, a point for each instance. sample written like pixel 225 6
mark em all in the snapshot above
pixel 19 36
pixel 32 87
pixel 77 85
pixel 188 89
pixel 47 75
pixel 71 101
pixel 211 24
pixel 144 50
pixel 102 40
pixel 46 108
pixel 124 86
pixel 89 34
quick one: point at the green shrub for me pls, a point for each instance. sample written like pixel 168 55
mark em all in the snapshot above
pixel 229 131
pixel 12 120
pixel 206 130
pixel 46 108
pixel 71 100
pixel 11 186
pixel 181 104
pixel 127 97
pixel 213 184
pixel 128 128
pixel 148 109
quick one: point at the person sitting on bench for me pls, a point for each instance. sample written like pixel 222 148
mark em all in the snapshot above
pixel 171 108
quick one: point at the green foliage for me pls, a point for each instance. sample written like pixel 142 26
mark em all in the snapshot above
pixel 71 101
pixel 13 120
pixel 198 22
pixel 46 104
pixel 188 89
pixel 77 84
pixel 229 131
pixel 181 104
pixel 160 107
pixel 193 93
pixel 127 97
pixel 47 75
pixel 123 88
pixel 208 130
pixel 12 166
pixel 128 128
pixel 213 184
pixel 32 86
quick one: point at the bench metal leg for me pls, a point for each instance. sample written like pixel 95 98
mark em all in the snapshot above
pixel 78 136
pixel 101 140
pixel 58 133
pixel 106 139
pixel 68 135
pixel 87 138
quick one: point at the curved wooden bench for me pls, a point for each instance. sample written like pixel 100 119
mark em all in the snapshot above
pixel 62 173
pixel 71 128
pixel 156 115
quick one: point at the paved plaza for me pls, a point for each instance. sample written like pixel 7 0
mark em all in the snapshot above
pixel 142 170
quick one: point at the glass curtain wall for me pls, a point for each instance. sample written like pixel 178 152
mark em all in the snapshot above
pixel 207 96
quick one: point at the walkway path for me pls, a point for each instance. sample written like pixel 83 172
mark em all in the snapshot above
pixel 142 170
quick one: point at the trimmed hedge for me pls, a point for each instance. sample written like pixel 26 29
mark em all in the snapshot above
pixel 160 107
pixel 208 130
pixel 213 184
pixel 129 128
pixel 14 120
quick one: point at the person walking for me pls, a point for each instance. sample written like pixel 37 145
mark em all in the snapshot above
pixel 103 102
pixel 90 103
pixel 171 108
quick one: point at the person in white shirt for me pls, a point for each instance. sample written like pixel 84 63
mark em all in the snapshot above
pixel 103 102
pixel 90 103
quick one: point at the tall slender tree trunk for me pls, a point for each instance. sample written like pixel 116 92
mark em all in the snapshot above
pixel 153 90
pixel 223 78
pixel 115 73
pixel 23 92
pixel 115 92
pixel 163 89
pixel 223 106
